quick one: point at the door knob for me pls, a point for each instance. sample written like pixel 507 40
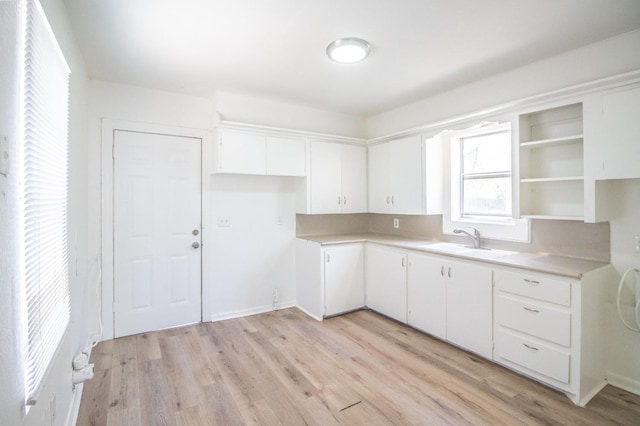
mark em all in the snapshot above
pixel 195 245
pixel 195 232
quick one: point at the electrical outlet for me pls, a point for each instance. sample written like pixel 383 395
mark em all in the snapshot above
pixel 224 222
pixel 396 223
pixel 279 220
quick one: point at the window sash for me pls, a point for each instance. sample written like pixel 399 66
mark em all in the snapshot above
pixel 45 104
pixel 479 176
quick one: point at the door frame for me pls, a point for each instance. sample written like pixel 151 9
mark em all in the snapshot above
pixel 106 283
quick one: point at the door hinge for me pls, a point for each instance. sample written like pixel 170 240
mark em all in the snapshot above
pixel 113 151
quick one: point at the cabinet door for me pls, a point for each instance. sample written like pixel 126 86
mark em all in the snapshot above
pixel 469 307
pixel 407 178
pixel 326 178
pixel 343 278
pixel 379 179
pixel 427 295
pixel 612 132
pixel 242 153
pixel 285 156
pixel 386 288
pixel 354 179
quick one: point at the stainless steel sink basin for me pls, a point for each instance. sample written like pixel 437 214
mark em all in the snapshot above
pixel 462 250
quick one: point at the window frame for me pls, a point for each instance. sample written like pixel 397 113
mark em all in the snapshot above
pixel 490 227
pixel 495 129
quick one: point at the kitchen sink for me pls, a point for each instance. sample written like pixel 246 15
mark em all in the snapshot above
pixel 466 251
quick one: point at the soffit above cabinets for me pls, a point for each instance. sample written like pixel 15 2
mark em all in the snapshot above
pixel 277 48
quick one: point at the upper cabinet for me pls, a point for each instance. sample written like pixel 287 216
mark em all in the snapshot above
pixel 612 134
pixel 258 154
pixel 405 176
pixel 337 181
pixel 552 163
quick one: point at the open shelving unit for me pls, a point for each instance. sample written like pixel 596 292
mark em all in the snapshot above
pixel 552 163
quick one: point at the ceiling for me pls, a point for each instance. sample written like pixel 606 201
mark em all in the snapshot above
pixel 276 48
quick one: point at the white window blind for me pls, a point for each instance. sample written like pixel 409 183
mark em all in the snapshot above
pixel 45 171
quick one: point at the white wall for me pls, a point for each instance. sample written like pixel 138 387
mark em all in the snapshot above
pixel 277 113
pixel 623 363
pixel 599 60
pixel 253 257
pixel 244 263
pixel 58 382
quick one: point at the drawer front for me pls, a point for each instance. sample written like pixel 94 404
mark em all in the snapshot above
pixel 534 286
pixel 540 358
pixel 546 323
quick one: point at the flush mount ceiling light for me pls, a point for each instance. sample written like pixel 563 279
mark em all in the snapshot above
pixel 348 50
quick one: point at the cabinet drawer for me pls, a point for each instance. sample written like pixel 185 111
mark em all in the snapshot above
pixel 534 286
pixel 540 358
pixel 540 321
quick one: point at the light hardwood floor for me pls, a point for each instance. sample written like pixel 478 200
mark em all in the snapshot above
pixel 286 368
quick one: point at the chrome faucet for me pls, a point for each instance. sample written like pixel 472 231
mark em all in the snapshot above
pixel 475 237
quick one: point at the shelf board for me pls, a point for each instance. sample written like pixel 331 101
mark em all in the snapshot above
pixel 565 140
pixel 553 179
pixel 551 217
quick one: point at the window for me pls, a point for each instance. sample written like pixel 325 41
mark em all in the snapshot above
pixel 44 189
pixel 485 177
pixel 478 171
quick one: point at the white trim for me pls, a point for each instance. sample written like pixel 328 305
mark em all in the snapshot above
pixel 560 95
pixel 279 131
pixel 108 126
pixel 252 311
pixel 622 382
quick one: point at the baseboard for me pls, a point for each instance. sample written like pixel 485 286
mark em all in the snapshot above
pixel 589 396
pixel 74 409
pixel 309 313
pixel 623 382
pixel 251 311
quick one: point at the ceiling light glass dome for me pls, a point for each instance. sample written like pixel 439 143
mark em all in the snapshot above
pixel 348 50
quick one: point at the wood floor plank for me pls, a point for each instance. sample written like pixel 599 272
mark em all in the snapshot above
pixel 284 368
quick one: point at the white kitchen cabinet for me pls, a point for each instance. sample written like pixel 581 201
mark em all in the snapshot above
pixel 612 134
pixel 285 156
pixel 427 295
pixel 401 171
pixel 239 152
pixel 552 328
pixel 329 279
pixel 343 278
pixel 469 306
pixel 552 163
pixel 386 281
pixel 244 152
pixel 338 178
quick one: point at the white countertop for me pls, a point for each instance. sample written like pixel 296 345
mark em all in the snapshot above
pixel 538 262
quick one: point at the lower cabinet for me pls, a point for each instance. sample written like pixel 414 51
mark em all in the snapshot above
pixel 343 278
pixel 427 295
pixel 547 327
pixel 329 279
pixel 386 288
pixel 469 306
pixel 451 300
pixel 552 328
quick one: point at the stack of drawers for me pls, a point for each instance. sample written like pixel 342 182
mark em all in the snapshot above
pixel 533 323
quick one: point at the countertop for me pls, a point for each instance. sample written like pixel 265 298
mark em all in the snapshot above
pixel 539 262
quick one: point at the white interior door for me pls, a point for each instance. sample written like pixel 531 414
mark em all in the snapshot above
pixel 157 224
